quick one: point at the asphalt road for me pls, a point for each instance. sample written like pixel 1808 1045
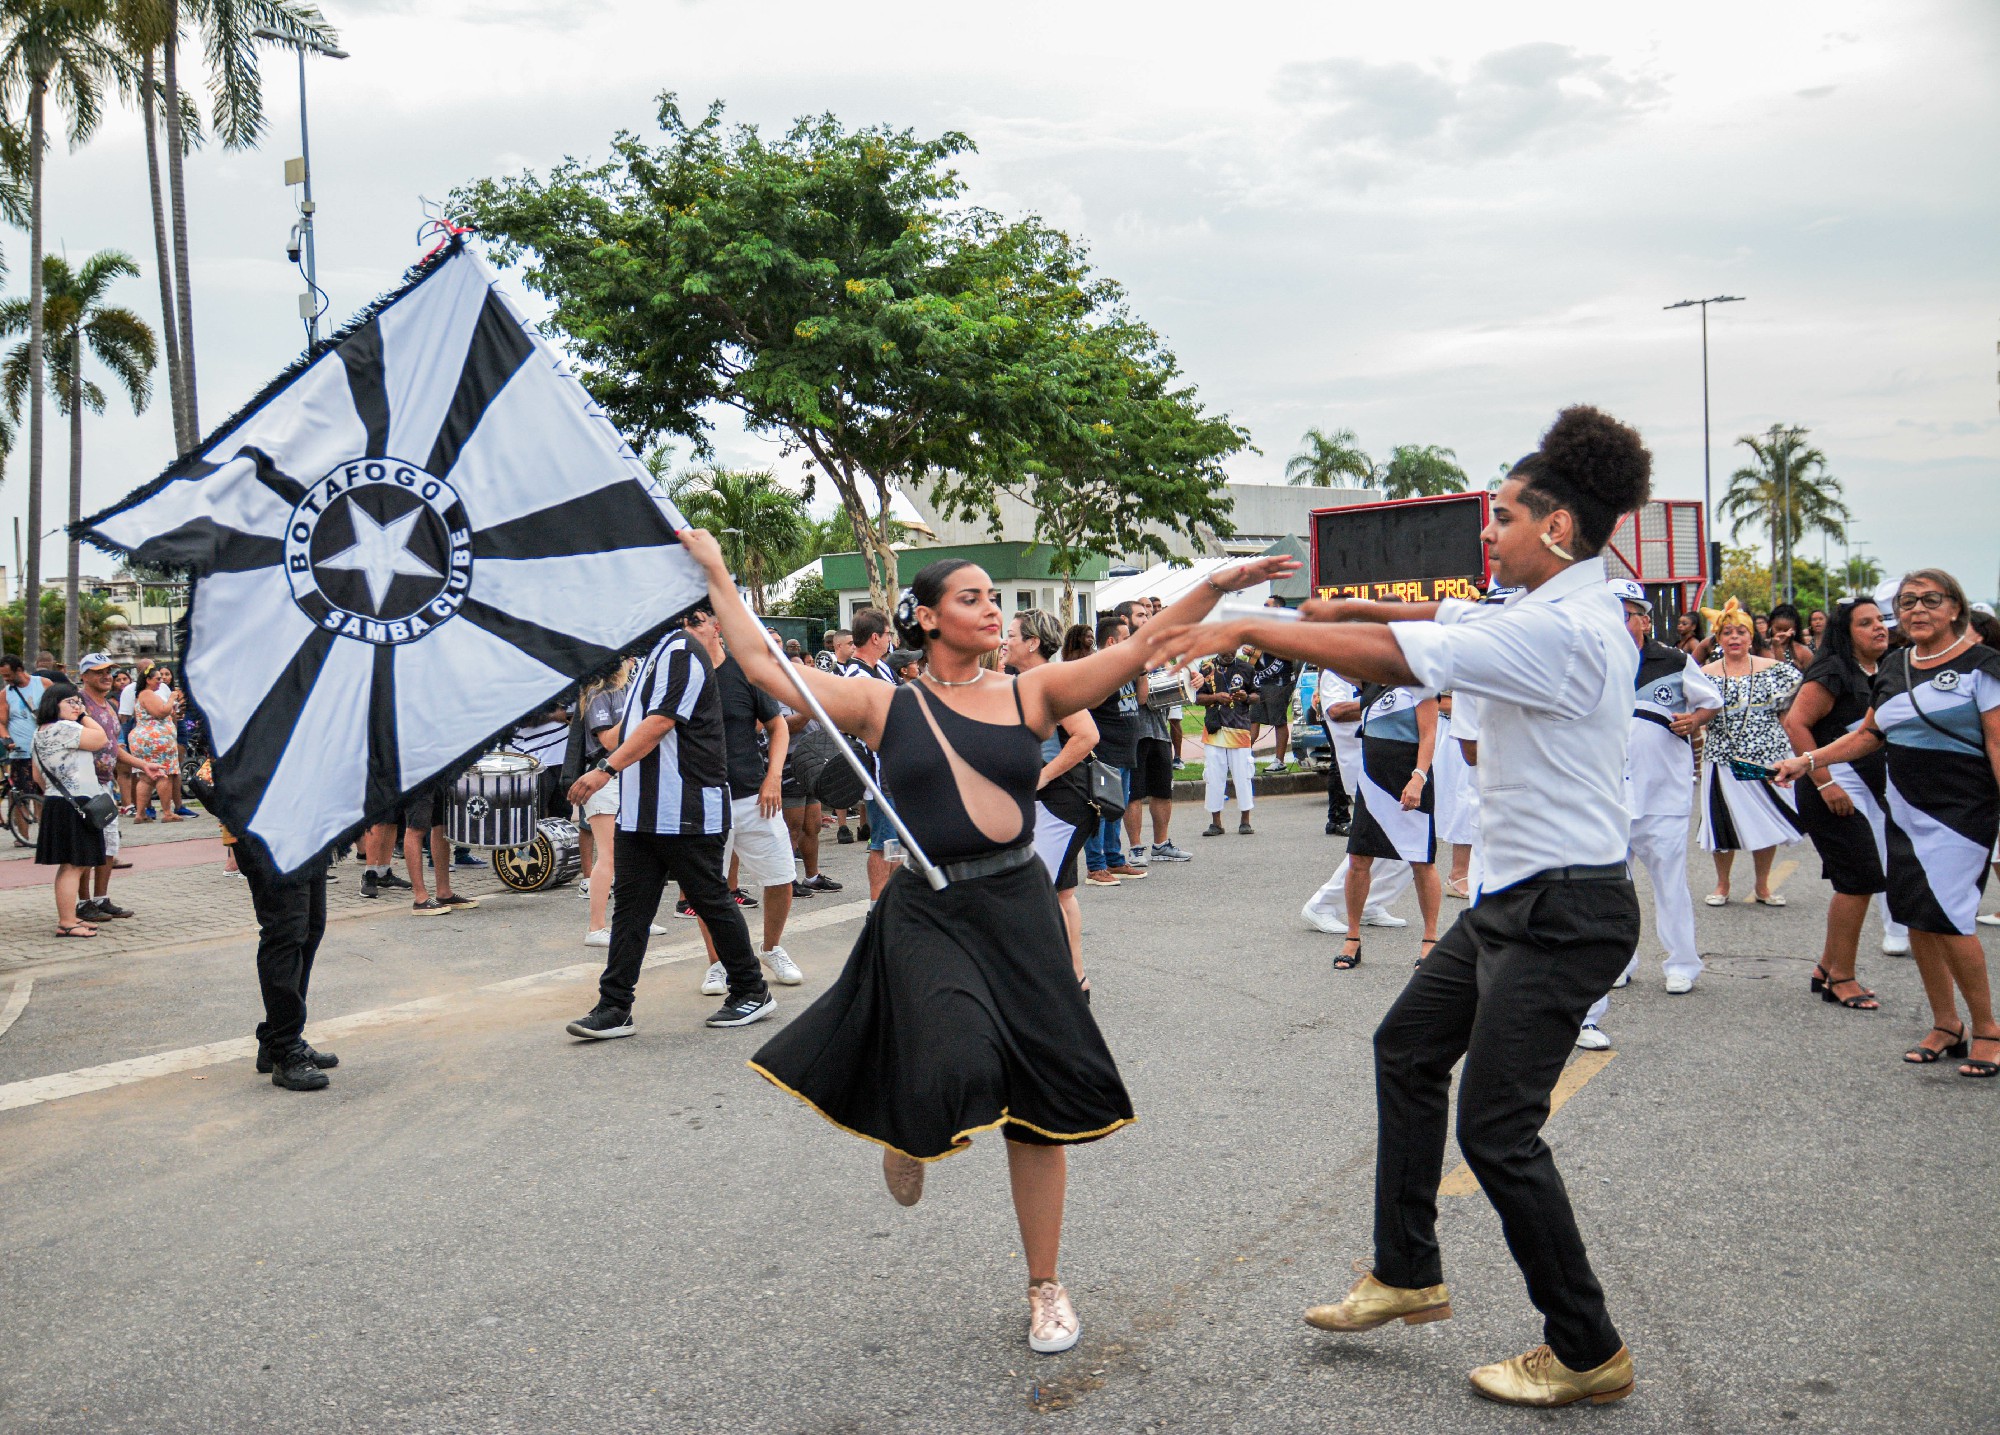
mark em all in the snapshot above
pixel 484 1226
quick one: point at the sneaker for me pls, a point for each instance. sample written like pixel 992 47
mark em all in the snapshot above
pixel 183 812
pixel 461 857
pixel 684 908
pixel 1321 922
pixel 801 892
pixel 370 886
pixel 1244 829
pixel 863 832
pixel 1624 979
pixel 1336 829
pixel 820 882
pixel 429 908
pixel 390 879
pixel 1128 872
pixel 1900 946
pixel 295 1070
pixel 603 1023
pixel 1052 1323
pixel 654 929
pixel 1167 852
pixel 741 898
pixel 104 907
pixel 1382 919
pixel 1137 857
pixel 844 835
pixel 1679 984
pixel 716 982
pixel 599 938
pixel 454 900
pixel 267 1059
pixel 1100 879
pixel 1214 829
pixel 743 1010
pixel 1591 1039
pixel 583 889
pixel 783 968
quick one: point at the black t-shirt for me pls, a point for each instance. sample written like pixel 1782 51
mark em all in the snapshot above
pixel 746 746
pixel 1117 720
pixel 1273 672
pixel 1233 676
pixel 1852 691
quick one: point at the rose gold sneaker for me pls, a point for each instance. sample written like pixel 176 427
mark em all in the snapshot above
pixel 1052 1323
pixel 904 1176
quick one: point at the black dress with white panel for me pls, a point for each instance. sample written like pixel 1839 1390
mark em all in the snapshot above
pixel 1853 850
pixel 1389 750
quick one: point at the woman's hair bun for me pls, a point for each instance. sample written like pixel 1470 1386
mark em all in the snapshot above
pixel 1589 454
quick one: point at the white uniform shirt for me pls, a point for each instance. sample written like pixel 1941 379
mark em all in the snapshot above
pixel 1659 771
pixel 1553 671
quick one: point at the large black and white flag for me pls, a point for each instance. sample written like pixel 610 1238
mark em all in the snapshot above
pixel 405 543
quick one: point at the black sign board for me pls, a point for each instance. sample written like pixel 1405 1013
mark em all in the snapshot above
pixel 1415 549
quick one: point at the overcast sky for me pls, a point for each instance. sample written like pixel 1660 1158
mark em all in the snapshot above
pixel 1433 223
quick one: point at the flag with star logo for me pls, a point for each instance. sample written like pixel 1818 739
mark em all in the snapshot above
pixel 416 535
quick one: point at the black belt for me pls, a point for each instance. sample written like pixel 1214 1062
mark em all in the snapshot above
pixel 991 865
pixel 1602 872
pixel 1648 715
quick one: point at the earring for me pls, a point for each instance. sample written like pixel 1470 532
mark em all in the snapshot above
pixel 1557 549
pixel 933 634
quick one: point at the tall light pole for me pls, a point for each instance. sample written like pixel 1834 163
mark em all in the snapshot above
pixel 1707 494
pixel 309 301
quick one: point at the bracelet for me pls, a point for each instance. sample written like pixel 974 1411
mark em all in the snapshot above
pixel 1209 578
pixel 1823 786
pixel 1812 760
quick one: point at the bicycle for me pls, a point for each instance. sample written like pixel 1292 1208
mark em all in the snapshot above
pixel 21 811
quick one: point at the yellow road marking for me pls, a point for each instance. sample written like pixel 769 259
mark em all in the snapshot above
pixel 1461 1181
pixel 1779 873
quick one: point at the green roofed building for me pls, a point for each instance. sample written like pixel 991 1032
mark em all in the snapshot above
pixel 1021 570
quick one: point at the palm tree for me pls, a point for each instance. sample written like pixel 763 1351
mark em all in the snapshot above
pixel 51 47
pixel 1326 457
pixel 1421 471
pixel 227 29
pixel 76 318
pixel 759 524
pixel 1862 573
pixel 1786 491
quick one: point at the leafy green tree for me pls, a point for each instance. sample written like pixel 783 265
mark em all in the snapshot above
pixel 826 284
pixel 94 621
pixel 1420 471
pixel 1745 577
pixel 759 524
pixel 77 320
pixel 52 48
pixel 1325 458
pixel 811 599
pixel 1786 491
pixel 1861 574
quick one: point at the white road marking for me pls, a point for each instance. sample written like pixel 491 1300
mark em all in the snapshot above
pixel 40 1089
pixel 17 1002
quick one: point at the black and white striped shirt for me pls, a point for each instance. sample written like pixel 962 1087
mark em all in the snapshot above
pixel 681 787
pixel 878 669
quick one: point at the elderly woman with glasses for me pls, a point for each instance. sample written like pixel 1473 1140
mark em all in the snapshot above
pixel 1936 714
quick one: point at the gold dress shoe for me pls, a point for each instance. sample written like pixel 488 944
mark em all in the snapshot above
pixel 1538 1378
pixel 1372 1303
pixel 904 1175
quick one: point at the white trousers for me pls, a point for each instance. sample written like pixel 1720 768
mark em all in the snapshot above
pixel 1225 765
pixel 1388 880
pixel 1660 845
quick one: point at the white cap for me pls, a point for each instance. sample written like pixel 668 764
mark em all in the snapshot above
pixel 1986 608
pixel 1885 599
pixel 1628 590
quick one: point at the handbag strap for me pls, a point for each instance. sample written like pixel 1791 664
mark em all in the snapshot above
pixel 1910 692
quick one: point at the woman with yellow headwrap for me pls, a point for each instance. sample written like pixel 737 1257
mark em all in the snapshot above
pixel 1742 811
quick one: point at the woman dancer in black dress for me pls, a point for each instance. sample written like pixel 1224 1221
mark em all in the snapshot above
pixel 958 1011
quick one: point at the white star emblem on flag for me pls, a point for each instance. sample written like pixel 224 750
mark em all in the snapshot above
pixel 380 552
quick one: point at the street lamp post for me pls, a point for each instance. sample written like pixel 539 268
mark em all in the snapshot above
pixel 309 305
pixel 1707 495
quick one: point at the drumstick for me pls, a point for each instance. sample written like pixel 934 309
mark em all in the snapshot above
pixel 932 874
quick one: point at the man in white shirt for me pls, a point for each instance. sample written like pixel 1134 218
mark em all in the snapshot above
pixel 1672 699
pixel 1555 919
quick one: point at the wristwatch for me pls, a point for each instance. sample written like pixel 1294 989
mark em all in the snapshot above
pixel 603 765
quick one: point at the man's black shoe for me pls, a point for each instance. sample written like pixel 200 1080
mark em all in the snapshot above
pixel 820 882
pixel 685 908
pixel 741 897
pixel 370 885
pixel 390 879
pixel 800 891
pixel 295 1070
pixel 602 1024
pixel 745 1008
pixel 1244 829
pixel 103 907
pixel 1214 829
pixel 266 1060
pixel 1336 829
pixel 863 832
pixel 843 836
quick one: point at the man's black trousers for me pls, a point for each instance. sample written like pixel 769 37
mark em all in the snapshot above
pixel 1506 988
pixel 1339 808
pixel 643 864
pixel 291 918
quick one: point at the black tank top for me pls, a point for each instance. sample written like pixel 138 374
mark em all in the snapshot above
pixel 964 787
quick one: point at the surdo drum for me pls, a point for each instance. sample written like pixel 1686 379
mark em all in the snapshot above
pixel 553 857
pixel 493 802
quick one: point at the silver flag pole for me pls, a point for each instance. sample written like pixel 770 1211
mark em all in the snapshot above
pixel 933 874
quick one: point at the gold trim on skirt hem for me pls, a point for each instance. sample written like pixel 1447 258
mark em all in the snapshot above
pixel 960 1141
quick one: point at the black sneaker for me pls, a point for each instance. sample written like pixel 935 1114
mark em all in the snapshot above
pixel 370 886
pixel 603 1023
pixel 684 908
pixel 104 907
pixel 745 1009
pixel 464 903
pixel 843 836
pixel 430 907
pixel 801 892
pixel 267 1060
pixel 295 1070
pixel 391 880
pixel 863 832
pixel 820 882
pixel 741 897
pixel 1336 829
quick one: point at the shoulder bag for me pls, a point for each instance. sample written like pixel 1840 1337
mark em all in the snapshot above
pixel 1107 790
pixel 99 812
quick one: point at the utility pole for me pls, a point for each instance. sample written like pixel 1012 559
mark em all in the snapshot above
pixel 1707 483
pixel 299 172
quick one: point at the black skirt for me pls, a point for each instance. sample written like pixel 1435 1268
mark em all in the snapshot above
pixel 958 1012
pixel 64 839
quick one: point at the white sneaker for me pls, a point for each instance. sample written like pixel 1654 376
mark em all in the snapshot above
pixel 1382 919
pixel 1679 984
pixel 1320 922
pixel 1591 1039
pixel 583 889
pixel 1137 858
pixel 1900 946
pixel 599 938
pixel 654 929
pixel 1986 919
pixel 784 970
pixel 1052 1323
pixel 1624 979
pixel 716 983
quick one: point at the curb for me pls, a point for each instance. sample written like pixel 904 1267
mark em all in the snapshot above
pixel 1284 784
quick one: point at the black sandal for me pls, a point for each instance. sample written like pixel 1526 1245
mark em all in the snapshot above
pixel 1974 1069
pixel 1428 943
pixel 1819 983
pixel 1921 1055
pixel 1347 961
pixel 1862 1000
